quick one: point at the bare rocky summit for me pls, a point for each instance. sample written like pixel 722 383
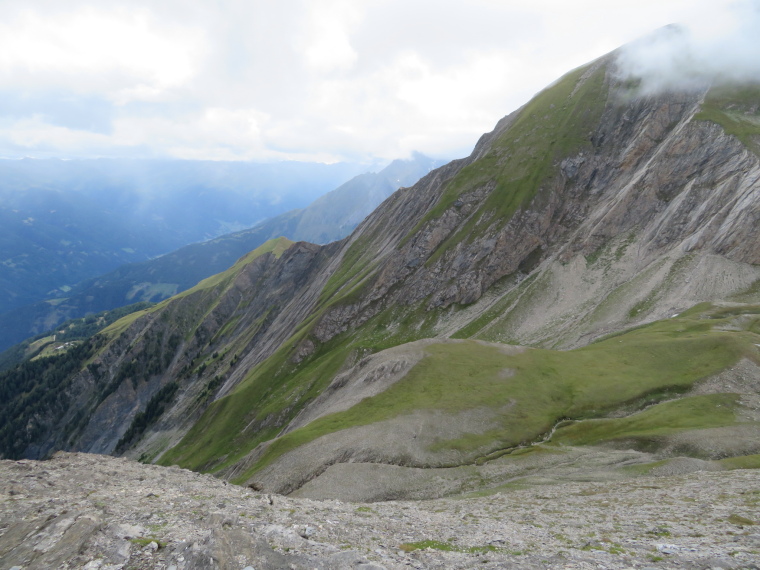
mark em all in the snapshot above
pixel 97 512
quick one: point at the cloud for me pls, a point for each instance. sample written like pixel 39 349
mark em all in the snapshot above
pixel 295 79
pixel 125 54
pixel 48 139
pixel 80 112
pixel 214 134
pixel 724 49
pixel 327 46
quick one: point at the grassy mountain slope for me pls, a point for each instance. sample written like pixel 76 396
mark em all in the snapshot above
pixel 487 401
pixel 73 331
pixel 114 374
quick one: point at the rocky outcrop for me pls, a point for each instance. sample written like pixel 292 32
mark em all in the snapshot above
pixel 192 341
pixel 653 174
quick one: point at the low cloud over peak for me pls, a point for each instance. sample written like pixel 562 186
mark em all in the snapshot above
pixel 722 47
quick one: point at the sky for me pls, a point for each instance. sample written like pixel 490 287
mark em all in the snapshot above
pixel 310 80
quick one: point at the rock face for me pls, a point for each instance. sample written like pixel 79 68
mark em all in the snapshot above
pixel 166 345
pixel 652 182
pixel 87 511
pixel 590 210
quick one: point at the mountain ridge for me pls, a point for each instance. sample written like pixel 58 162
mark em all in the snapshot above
pixel 571 221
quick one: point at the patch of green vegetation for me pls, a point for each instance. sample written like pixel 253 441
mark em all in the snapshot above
pixel 644 468
pixel 660 531
pixel 739 520
pixel 602 548
pixel 142 541
pixel 115 329
pixel 643 306
pixel 741 462
pixel 227 329
pixel 546 387
pixel 423 544
pixel 696 412
pixel 34 346
pixel 594 256
pixel 54 348
pixel 447 547
pixel 737 111
pixel 616 549
pixel 155 527
pixel 623 247
pixel 554 125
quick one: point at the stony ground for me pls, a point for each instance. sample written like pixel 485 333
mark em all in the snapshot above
pixel 96 512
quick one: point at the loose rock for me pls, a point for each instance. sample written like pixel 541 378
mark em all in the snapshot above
pixel 88 520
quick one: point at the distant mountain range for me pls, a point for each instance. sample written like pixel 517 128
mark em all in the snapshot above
pixel 330 217
pixel 63 221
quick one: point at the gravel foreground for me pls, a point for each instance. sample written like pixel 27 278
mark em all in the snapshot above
pixel 98 512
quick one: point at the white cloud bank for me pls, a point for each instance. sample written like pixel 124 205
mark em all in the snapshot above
pixel 310 79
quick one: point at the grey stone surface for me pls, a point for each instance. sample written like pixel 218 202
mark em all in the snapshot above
pixel 98 512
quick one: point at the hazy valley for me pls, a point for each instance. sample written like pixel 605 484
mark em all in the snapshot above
pixel 243 189
pixel 67 221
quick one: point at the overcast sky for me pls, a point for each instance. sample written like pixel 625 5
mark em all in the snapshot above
pixel 316 80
